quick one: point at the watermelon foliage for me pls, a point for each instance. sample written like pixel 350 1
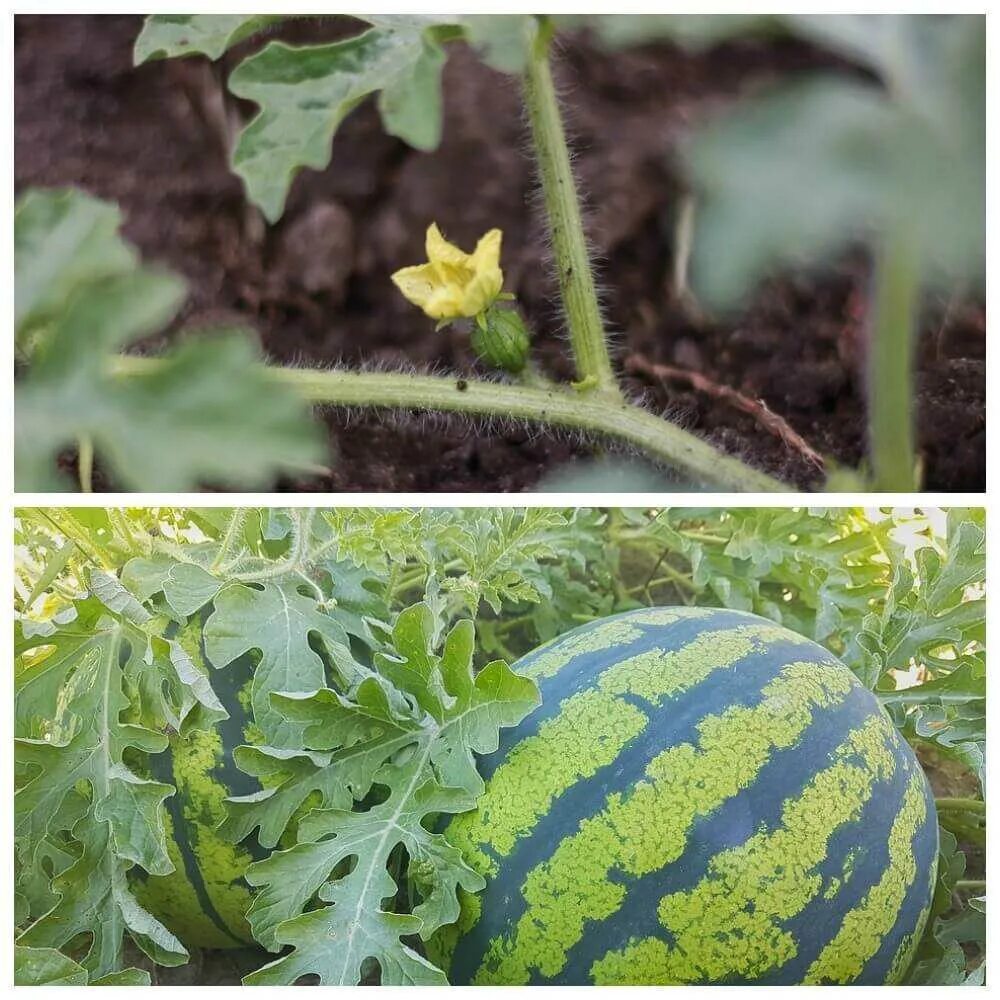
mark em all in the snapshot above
pixel 250 726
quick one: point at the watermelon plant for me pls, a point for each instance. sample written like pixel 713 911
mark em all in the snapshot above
pixel 295 732
pixel 879 154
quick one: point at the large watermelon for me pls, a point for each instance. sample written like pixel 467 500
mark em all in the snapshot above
pixel 703 797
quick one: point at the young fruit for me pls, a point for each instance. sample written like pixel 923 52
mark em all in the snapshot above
pixel 500 338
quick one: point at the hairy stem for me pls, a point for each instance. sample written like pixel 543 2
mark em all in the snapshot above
pixel 569 245
pixel 301 535
pixel 890 375
pixel 70 531
pixel 589 412
pixel 233 529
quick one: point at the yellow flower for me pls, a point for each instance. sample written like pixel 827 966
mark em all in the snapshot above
pixel 453 283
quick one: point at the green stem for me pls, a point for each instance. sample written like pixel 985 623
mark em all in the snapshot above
pixel 589 412
pixel 671 576
pixel 569 245
pixel 963 831
pixel 960 805
pixel 234 527
pixel 890 376
pixel 971 885
pixel 302 519
pixel 78 537
pixel 85 463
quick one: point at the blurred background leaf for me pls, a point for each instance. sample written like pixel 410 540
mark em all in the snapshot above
pixel 798 173
pixel 207 413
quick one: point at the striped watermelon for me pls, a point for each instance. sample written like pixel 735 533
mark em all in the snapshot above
pixel 703 797
pixel 204 899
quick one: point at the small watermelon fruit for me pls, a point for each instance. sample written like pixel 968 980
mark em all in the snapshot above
pixel 703 797
pixel 203 901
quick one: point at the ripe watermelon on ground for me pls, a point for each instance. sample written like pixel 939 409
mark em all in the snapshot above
pixel 703 797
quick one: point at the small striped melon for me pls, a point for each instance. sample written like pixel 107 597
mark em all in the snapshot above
pixel 203 901
pixel 703 797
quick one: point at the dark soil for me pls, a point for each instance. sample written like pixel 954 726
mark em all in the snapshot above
pixel 316 287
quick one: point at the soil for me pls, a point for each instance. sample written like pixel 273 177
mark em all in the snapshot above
pixel 316 286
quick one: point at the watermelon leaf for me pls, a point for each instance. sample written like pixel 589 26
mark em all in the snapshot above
pixel 48 967
pixel 694 31
pixel 119 822
pixel 186 586
pixel 63 240
pixel 800 173
pixel 165 36
pixel 803 171
pixel 363 733
pixel 940 960
pixel 209 404
pixel 305 92
pixel 414 733
pixel 277 621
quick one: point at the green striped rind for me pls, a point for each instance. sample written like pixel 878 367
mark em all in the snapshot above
pixel 549 659
pixel 206 863
pixel 736 923
pixel 861 933
pixel 906 951
pixel 730 923
pixel 203 901
pixel 650 828
pixel 591 729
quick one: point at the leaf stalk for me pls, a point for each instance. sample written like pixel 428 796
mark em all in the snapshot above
pixel 890 376
pixel 594 413
pixel 569 244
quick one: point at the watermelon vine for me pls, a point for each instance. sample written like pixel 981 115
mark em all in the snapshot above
pixel 250 727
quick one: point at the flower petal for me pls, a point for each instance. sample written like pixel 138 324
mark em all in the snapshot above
pixel 440 250
pixel 481 291
pixel 453 283
pixel 446 302
pixel 416 283
pixel 487 252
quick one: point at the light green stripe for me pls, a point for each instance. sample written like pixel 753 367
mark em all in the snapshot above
pixel 730 924
pixel 557 654
pixel 618 632
pixel 588 734
pixel 657 674
pixel 649 828
pixel 907 950
pixel 864 927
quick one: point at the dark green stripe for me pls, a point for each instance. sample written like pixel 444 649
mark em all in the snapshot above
pixel 162 766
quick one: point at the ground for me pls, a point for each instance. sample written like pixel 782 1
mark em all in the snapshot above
pixel 316 287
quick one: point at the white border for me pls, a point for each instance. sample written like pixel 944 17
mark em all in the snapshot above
pixel 589 499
